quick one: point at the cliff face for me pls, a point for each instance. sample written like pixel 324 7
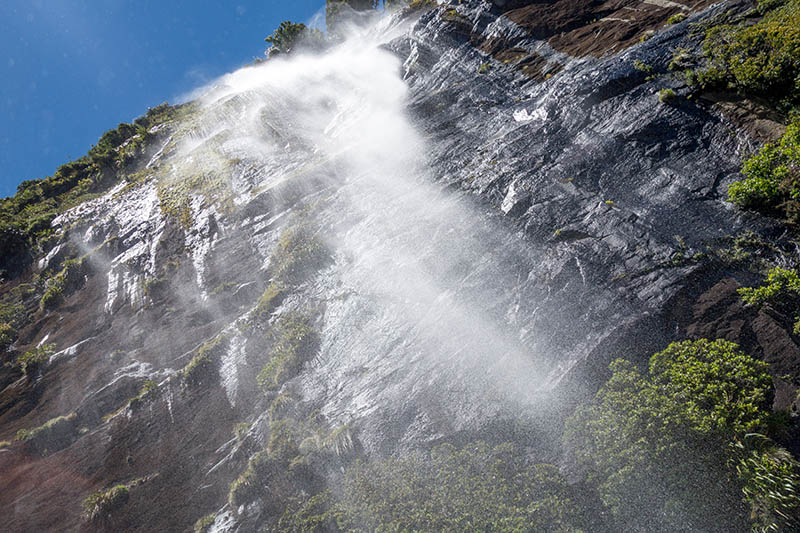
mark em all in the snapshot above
pixel 428 240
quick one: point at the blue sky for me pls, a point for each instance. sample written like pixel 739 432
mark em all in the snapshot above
pixel 72 69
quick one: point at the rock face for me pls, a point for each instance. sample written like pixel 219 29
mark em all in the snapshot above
pixel 417 241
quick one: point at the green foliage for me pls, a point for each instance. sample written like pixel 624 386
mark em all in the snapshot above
pixel 299 253
pixel 255 478
pixel 771 482
pixel 136 401
pixel 417 5
pixel 773 176
pixel 474 488
pixel 68 280
pixel 224 288
pixel 295 341
pixel 667 96
pixel 283 437
pixel 269 301
pixel 484 68
pixel 53 435
pixel 25 218
pixel 203 366
pixel 677 18
pixel 7 335
pixel 100 505
pixel 652 443
pixel 642 66
pixel 205 523
pixel 722 389
pixel 759 59
pixel 30 361
pixel 290 36
pixel 779 282
pixel 208 179
pixel 240 430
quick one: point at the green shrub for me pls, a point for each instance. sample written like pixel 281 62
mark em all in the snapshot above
pixel 474 488
pixel 68 280
pixel 7 335
pixel 253 480
pixel 295 341
pixel 205 523
pixel 641 66
pixel 779 282
pixel 53 435
pixel 299 253
pixel 677 18
pixel 484 68
pixel 773 176
pixel 651 443
pixel 100 505
pixel 136 401
pixel 418 5
pixel 269 301
pixel 335 9
pixel 759 59
pixel 771 482
pixel 31 360
pixel 203 366
pixel 290 36
pixel 667 96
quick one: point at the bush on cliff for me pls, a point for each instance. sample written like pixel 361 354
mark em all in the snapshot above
pixel 290 35
pixel 758 59
pixel 472 488
pixel 772 181
pixel 661 447
pixel 53 435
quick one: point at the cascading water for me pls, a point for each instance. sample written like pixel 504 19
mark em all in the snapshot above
pixel 419 327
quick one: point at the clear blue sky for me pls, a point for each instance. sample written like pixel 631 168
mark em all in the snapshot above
pixel 72 69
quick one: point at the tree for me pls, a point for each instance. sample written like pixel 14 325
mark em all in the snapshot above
pixel 658 447
pixel 288 36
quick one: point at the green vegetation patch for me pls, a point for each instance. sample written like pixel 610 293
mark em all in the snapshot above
pixel 68 280
pixel 758 59
pixel 677 18
pixel 25 218
pixel 136 401
pixel 299 253
pixel 53 435
pixel 295 341
pixel 772 183
pixel 7 335
pixel 779 283
pixel 101 505
pixel 474 488
pixel 204 524
pixel 30 361
pixel 255 480
pixel 269 301
pixel 651 443
pixel 667 96
pixel 202 369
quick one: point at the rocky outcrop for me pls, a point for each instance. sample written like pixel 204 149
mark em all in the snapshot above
pixel 394 262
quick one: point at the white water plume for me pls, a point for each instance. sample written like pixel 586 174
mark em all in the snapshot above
pixel 417 301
